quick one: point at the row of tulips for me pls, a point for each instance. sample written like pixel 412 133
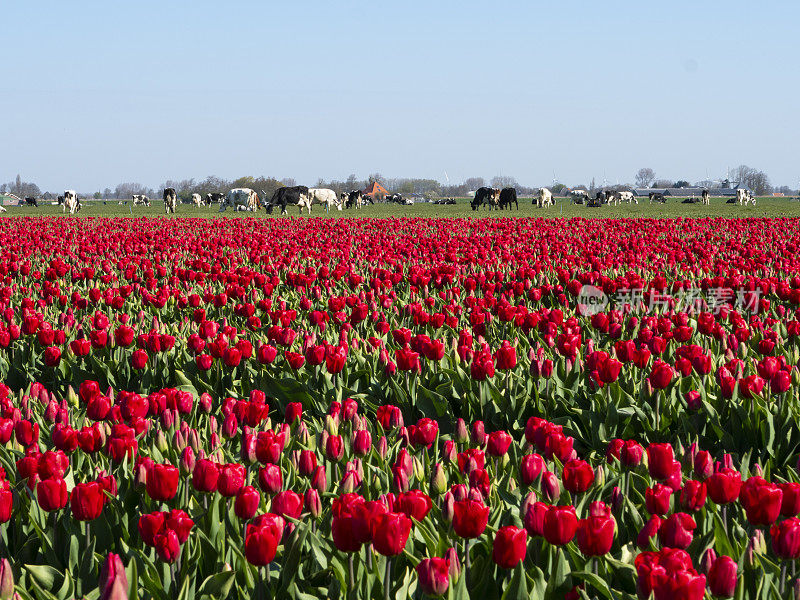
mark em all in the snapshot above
pixel 374 506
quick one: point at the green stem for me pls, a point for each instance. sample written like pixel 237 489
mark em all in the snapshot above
pixel 387 581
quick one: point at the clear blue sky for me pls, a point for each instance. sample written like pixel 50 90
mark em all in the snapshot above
pixel 97 93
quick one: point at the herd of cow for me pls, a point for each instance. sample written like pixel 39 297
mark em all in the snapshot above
pixel 246 199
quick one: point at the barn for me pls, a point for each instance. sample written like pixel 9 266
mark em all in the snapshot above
pixel 376 191
pixel 8 199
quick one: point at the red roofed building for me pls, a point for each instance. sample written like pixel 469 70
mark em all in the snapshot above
pixel 375 190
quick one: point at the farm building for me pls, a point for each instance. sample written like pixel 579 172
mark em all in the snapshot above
pixel 375 190
pixel 8 199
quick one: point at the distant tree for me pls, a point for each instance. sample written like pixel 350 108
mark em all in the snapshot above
pixel 352 182
pixel 558 188
pixel 289 182
pixel 473 183
pixel 107 193
pixel 376 177
pixel 644 177
pixel 97 195
pixel 681 183
pixel 752 178
pixel 661 183
pixel 503 181
pixel 592 186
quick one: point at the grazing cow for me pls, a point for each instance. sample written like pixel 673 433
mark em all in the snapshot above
pixel 214 198
pixel 579 196
pixel 170 200
pixel 323 196
pixel 545 198
pixel 395 198
pixel 240 199
pixel 508 196
pixel 140 199
pixel 744 197
pixel 71 202
pixel 627 197
pixel 705 197
pixel 3 209
pixel 353 198
pixel 31 202
pixel 657 197
pixel 296 195
pixel 197 200
pixel 486 196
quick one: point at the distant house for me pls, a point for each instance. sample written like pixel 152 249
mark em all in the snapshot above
pixel 9 199
pixel 375 190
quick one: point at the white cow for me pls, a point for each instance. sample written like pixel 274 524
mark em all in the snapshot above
pixel 71 202
pixel 140 199
pixel 3 209
pixel 744 197
pixel 628 197
pixel 323 196
pixel 545 197
pixel 240 199
pixel 197 200
pixel 170 200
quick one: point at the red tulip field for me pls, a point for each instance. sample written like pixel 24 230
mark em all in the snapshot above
pixel 399 408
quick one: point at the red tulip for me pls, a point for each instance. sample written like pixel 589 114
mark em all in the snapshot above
pixel 660 458
pixel 657 499
pixel 231 479
pixel 413 503
pixel 509 546
pixel 722 577
pixel 390 533
pixel 246 503
pixel 560 524
pixel 51 494
pixel 205 475
pixel 433 575
pixel 724 485
pixel 676 531
pixel 595 535
pixel 162 481
pixel 790 501
pixel 786 538
pixel 87 501
pixel 761 501
pixel 578 476
pixel 470 518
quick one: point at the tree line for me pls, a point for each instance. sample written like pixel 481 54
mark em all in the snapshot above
pixel 754 179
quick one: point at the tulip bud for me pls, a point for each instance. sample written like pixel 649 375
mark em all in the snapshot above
pixel 72 397
pixel 331 426
pixel 419 469
pixel 461 434
pixel 212 424
pixel 448 503
pixel 303 435
pixel 551 489
pixel 113 583
pixel 478 434
pixel 599 475
pixel 438 480
pixel 205 403
pixel 231 426
pixel 707 560
pixel 530 498
pixel 319 480
pixel 383 446
pixel 455 566
pixel 312 503
pixel 248 450
pixel 187 460
pixel 179 440
pixel 161 441
pixel 194 440
pixel 616 499
pixel 51 412
pixel 6 580
pixel 349 482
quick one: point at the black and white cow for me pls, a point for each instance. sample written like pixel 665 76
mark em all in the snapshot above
pixel 657 197
pixel 395 198
pixel 31 202
pixel 71 202
pixel 240 199
pixel 486 196
pixel 744 197
pixel 508 196
pixel 579 196
pixel 705 196
pixel 296 195
pixel 197 200
pixel 214 198
pixel 140 199
pixel 170 200
pixel 353 199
